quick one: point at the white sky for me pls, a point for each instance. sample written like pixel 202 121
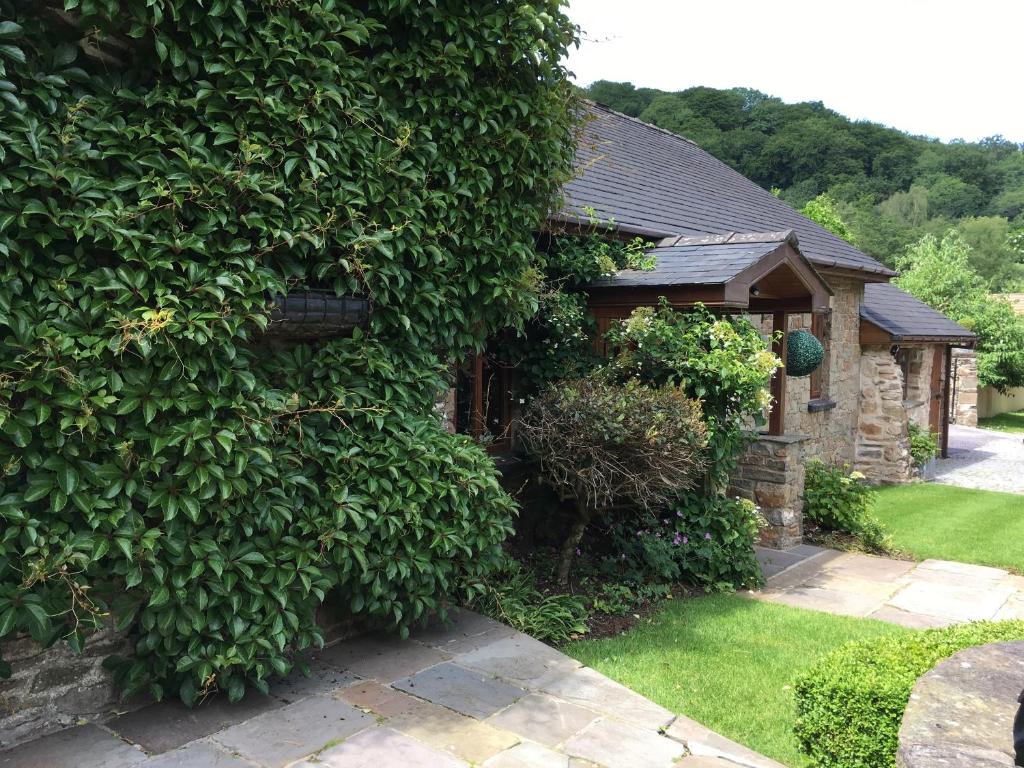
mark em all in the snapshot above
pixel 944 68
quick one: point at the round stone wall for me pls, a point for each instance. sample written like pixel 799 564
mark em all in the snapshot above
pixel 961 713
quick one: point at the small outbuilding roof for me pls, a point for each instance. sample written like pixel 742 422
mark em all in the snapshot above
pixel 906 318
pixel 698 260
pixel 653 183
pixel 734 270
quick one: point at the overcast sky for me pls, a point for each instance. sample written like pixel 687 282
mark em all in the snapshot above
pixel 951 69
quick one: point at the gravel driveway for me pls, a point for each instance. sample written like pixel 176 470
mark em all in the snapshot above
pixel 980 458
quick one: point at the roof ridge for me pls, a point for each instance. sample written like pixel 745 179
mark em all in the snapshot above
pixel 731 238
pixel 637 120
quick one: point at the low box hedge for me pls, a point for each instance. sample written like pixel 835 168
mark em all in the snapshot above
pixel 850 704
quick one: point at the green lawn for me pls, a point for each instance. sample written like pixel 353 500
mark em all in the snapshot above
pixel 1004 422
pixel 950 523
pixel 727 662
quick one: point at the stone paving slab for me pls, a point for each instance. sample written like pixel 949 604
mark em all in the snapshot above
pixel 960 604
pixel 464 631
pixel 544 719
pixel 169 724
pixel 933 593
pixel 382 748
pixel 199 754
pixel 521 659
pixel 382 657
pixel 465 737
pixel 527 755
pixel 615 744
pixel 279 737
pixel 705 744
pixel 522 704
pixel 590 689
pixel 464 690
pixel 85 746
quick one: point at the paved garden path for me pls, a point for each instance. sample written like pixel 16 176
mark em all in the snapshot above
pixel 934 593
pixel 983 458
pixel 477 693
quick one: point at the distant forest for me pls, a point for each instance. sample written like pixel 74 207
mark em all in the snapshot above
pixel 888 187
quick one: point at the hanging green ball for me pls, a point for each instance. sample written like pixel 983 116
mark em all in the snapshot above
pixel 804 353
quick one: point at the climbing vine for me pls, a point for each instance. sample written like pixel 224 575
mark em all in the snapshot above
pixel 167 166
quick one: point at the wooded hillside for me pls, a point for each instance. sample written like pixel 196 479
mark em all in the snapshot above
pixel 890 188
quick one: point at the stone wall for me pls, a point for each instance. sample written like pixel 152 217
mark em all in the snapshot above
pixel 831 430
pixel 771 474
pixel 918 398
pixel 965 388
pixel 883 439
pixel 53 688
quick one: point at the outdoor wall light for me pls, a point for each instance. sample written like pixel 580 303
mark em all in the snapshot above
pixel 754 290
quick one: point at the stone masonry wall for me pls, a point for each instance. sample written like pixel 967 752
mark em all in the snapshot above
pixel 53 688
pixel 965 379
pixel 831 432
pixel 771 474
pixel 883 439
pixel 919 384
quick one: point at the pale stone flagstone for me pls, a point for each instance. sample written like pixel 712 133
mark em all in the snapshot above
pixel 476 693
pixel 934 593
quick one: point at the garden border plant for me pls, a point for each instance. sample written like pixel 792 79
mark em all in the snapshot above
pixel 850 704
pixel 159 463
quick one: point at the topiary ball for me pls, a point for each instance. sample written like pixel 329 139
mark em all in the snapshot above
pixel 804 353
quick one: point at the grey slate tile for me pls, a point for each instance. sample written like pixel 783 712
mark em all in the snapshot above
pixel 85 746
pixel 168 725
pixel 279 737
pixel 471 693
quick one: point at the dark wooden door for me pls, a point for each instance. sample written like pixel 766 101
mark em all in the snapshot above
pixel 938 383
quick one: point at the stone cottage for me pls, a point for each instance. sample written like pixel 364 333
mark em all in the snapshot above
pixel 721 240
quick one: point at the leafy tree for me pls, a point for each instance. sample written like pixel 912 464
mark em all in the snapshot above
pixel 822 209
pixel 939 272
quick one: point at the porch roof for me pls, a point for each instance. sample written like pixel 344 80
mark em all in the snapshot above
pixel 751 270
pixel 905 318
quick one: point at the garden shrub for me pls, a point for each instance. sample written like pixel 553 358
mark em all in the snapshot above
pixel 924 445
pixel 835 497
pixel 510 595
pixel 707 541
pixel 850 704
pixel 603 445
pixel 722 362
pixel 150 446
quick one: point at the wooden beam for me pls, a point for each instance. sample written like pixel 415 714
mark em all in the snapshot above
pixel 777 419
pixel 947 377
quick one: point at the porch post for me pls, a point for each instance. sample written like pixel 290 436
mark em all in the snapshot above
pixel 777 419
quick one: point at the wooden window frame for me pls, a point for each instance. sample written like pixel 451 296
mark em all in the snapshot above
pixel 821 329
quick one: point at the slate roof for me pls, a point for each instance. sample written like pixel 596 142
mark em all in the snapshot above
pixel 907 318
pixel 698 260
pixel 655 183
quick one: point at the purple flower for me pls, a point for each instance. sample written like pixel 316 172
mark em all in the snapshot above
pixel 677 540
pixel 685 540
pixel 578 551
pixel 679 513
pixel 707 536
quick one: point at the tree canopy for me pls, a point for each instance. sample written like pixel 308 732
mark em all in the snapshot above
pixel 891 188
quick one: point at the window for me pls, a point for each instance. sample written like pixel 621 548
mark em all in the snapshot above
pixel 821 328
pixel 484 401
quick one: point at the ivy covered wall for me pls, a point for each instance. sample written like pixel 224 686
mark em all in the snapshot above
pixel 165 167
